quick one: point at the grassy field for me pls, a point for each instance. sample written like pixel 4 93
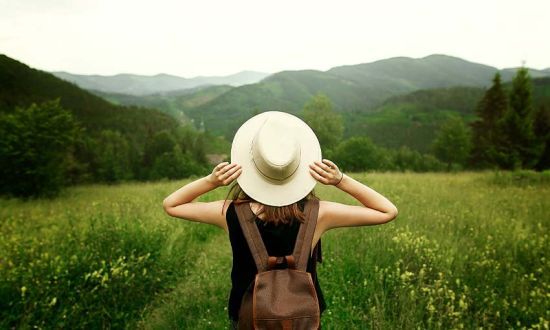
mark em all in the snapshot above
pixel 468 250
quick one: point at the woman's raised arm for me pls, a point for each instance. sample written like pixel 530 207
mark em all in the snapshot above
pixel 180 203
pixel 377 209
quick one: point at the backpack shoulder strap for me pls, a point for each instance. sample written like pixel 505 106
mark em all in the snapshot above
pixel 305 234
pixel 252 234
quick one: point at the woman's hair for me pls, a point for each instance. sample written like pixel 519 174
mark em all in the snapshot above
pixel 273 214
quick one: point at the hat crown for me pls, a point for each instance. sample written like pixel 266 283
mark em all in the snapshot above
pixel 275 150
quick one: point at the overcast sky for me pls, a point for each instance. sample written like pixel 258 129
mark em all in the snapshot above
pixel 204 37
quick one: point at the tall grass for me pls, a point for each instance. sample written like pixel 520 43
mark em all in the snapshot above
pixel 93 258
pixel 467 250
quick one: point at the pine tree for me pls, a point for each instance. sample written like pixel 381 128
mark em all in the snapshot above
pixel 522 147
pixel 542 132
pixel 487 135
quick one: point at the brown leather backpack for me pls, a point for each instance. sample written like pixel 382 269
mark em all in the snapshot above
pixel 282 298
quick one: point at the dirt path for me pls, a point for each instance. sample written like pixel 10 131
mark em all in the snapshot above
pixel 199 300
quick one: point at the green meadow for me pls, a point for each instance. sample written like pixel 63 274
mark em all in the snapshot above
pixel 467 250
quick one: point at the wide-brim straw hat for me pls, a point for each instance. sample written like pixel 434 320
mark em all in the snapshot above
pixel 275 149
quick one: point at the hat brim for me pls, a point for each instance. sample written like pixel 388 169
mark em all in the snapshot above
pixel 258 187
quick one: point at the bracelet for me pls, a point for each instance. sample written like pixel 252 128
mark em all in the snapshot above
pixel 340 179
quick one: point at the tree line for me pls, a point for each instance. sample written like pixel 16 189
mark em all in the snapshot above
pixel 45 148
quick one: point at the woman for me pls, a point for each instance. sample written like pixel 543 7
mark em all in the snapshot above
pixel 276 161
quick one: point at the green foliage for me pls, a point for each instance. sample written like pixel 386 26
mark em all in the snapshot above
pixel 160 143
pixel 488 134
pixel 521 146
pixel 175 154
pixel 359 154
pixel 35 149
pixel 509 134
pixel 452 143
pixel 122 154
pixel 194 143
pixel 112 157
pixel 414 119
pixel 542 132
pixel 326 124
pixel 175 165
pixel 407 159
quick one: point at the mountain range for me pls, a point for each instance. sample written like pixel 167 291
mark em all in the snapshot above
pixel 133 84
pixel 352 88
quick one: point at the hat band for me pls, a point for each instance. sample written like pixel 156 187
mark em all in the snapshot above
pixel 277 180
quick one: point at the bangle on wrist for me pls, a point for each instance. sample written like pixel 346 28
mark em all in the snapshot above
pixel 340 179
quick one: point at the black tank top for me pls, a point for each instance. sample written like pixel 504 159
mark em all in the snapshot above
pixel 278 240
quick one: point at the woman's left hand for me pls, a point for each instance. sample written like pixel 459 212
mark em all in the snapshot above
pixel 224 173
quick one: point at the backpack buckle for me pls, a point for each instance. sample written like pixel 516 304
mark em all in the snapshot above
pixel 273 262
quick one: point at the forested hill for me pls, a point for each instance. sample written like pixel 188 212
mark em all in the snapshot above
pixel 174 103
pixel 22 85
pixel 351 88
pixel 413 119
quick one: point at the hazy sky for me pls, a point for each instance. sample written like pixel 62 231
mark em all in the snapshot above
pixel 204 37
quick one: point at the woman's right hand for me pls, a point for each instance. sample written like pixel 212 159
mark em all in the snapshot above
pixel 224 173
pixel 326 172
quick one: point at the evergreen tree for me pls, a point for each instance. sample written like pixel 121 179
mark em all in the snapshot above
pixel 488 138
pixel 452 143
pixel 327 124
pixel 542 132
pixel 522 147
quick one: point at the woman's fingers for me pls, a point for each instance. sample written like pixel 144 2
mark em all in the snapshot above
pixel 229 170
pixel 233 176
pixel 329 163
pixel 326 170
pixel 324 166
pixel 317 167
pixel 225 168
pixel 224 173
pixel 219 167
pixel 317 177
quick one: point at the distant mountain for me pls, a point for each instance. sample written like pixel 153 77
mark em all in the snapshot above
pixel 132 84
pixel 352 88
pixel 21 85
pixel 533 73
pixel 174 103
